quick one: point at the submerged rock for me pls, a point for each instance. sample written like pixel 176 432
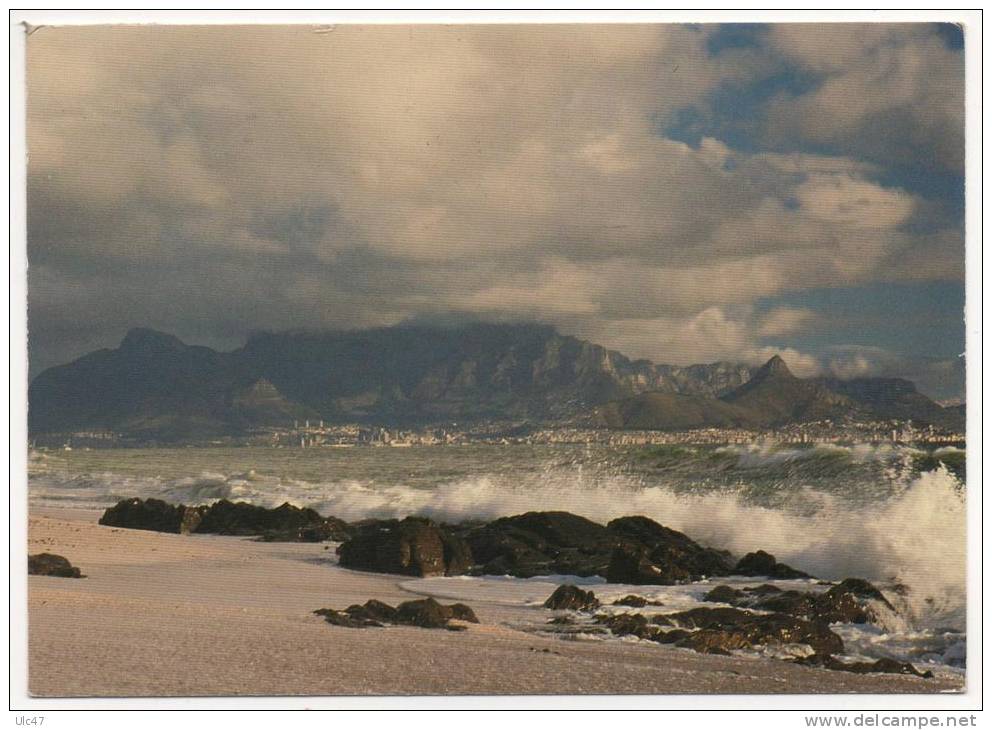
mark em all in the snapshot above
pixel 53 565
pixel 760 563
pixel 636 602
pixel 724 594
pixel 413 546
pixel 632 624
pixel 732 628
pixel 884 665
pixel 569 597
pixel 853 601
pixel 425 613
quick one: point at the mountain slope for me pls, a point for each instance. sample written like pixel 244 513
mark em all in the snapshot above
pixel 155 385
pixel 775 397
pixel 672 412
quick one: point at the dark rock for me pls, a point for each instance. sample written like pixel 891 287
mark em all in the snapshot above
pixel 673 636
pixel 53 565
pixel 241 518
pixel 458 558
pixel 426 613
pixel 764 589
pixel 373 610
pixel 884 665
pixel 653 554
pixel 461 612
pixel 569 597
pixel 761 563
pixel 345 619
pixel 732 628
pixel 413 546
pixel 795 603
pixel 851 601
pixel 541 543
pixel 629 624
pixel 724 594
pixel 330 528
pixel 152 514
pixel 190 518
pixel 284 523
pixel 631 565
pixel 636 602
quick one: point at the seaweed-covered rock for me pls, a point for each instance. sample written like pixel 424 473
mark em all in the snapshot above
pixel 569 597
pixel 884 665
pixel 760 563
pixel 413 546
pixel 53 565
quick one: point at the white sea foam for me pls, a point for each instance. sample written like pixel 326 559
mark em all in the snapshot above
pixel 913 535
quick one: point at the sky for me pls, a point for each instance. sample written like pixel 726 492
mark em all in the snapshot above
pixel 683 193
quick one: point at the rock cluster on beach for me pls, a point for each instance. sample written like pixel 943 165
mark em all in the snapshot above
pixel 284 523
pixel 802 620
pixel 413 546
pixel 425 613
pixel 852 601
pixel 54 565
pixel 631 550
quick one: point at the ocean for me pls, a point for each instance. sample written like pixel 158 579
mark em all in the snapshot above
pixel 893 514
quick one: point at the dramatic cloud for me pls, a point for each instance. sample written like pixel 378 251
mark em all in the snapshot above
pixel 210 181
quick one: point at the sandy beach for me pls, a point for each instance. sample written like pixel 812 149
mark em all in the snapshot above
pixel 176 615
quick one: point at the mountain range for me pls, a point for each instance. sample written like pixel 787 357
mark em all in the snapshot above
pixel 155 386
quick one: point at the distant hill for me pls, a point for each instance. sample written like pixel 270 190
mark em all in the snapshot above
pixel 775 397
pixel 153 385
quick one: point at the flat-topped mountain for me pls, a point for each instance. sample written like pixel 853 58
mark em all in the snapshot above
pixel 155 386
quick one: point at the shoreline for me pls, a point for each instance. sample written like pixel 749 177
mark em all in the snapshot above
pixel 202 615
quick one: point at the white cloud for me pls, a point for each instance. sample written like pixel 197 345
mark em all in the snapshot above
pixel 502 170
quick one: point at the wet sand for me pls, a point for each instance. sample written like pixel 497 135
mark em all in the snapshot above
pixel 202 615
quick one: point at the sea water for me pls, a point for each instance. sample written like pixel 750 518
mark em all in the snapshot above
pixel 890 513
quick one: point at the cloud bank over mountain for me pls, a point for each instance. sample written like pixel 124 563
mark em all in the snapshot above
pixel 669 191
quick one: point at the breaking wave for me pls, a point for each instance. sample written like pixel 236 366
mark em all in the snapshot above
pixel 910 533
